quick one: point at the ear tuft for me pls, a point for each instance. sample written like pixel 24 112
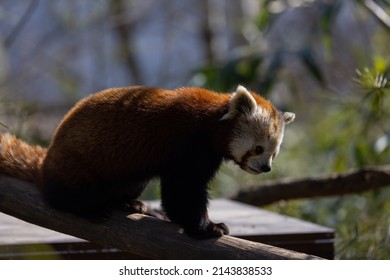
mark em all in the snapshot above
pixel 288 117
pixel 241 102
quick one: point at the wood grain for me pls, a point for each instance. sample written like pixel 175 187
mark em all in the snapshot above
pixel 141 235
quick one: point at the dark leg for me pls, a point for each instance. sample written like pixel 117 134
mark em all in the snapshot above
pixel 94 201
pixel 135 206
pixel 70 185
pixel 124 194
pixel 185 203
pixel 126 199
pixel 81 201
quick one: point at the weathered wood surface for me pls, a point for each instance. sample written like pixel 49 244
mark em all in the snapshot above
pixel 139 234
pixel 330 185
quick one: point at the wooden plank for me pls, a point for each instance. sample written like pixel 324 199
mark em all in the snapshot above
pixel 67 250
pixel 16 231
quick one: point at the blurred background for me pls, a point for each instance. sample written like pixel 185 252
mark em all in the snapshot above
pixel 327 61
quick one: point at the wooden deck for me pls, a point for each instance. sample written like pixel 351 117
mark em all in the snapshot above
pixel 21 240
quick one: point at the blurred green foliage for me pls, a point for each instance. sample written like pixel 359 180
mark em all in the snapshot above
pixel 333 132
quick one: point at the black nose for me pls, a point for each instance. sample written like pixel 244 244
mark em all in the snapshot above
pixel 266 168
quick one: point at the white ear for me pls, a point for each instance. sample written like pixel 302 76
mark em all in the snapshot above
pixel 288 117
pixel 241 102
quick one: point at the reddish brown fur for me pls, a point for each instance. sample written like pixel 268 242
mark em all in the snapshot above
pixel 264 103
pixel 115 125
pixel 20 160
pixel 111 143
pixel 267 106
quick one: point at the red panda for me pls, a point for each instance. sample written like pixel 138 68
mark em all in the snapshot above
pixel 107 148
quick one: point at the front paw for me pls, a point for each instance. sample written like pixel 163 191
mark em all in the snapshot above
pixel 211 230
pixel 135 206
pixel 217 230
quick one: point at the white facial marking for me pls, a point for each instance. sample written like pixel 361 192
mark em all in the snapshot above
pixel 258 132
pixel 240 144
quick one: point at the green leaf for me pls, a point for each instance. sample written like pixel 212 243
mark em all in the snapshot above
pixel 380 64
pixel 263 19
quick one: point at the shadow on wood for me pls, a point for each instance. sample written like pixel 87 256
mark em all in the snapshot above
pixel 139 234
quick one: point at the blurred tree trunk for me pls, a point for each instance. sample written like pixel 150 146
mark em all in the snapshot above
pixel 212 30
pixel 20 24
pixel 125 30
pixel 207 32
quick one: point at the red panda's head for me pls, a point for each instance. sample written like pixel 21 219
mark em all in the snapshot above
pixel 257 132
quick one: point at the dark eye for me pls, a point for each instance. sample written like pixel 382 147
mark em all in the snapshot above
pixel 259 150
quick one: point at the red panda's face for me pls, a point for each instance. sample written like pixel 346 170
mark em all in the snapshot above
pixel 258 131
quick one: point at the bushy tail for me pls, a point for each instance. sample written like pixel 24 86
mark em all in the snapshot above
pixel 19 159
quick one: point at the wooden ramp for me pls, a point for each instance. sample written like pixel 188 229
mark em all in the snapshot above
pixel 21 240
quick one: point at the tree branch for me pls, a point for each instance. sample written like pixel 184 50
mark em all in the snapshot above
pixel 344 183
pixel 141 235
pixel 378 12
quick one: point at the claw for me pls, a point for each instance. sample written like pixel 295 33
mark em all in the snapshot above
pixel 212 230
pixel 136 206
